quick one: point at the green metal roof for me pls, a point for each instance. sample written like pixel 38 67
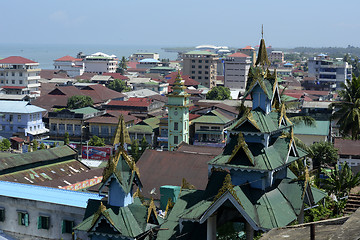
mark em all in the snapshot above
pixel 264 159
pixel 17 160
pixel 153 122
pixel 321 128
pixel 85 110
pixel 129 221
pixel 213 117
pixel 140 129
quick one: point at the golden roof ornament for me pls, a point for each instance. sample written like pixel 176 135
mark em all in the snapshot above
pixel 151 208
pixel 121 135
pixel 186 185
pixel 227 187
pixel 262 58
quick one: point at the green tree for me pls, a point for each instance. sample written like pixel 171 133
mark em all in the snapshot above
pixel 135 150
pixel 66 138
pixel 341 180
pixel 96 141
pixel 42 146
pixel 5 144
pixel 143 145
pixel 79 101
pixel 323 153
pixel 347 111
pixel 119 86
pixel 122 67
pixel 35 145
pixel 218 93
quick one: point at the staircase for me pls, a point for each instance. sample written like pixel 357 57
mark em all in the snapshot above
pixel 353 203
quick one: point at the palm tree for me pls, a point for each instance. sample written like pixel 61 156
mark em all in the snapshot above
pixel 341 180
pixel 122 66
pixel 347 111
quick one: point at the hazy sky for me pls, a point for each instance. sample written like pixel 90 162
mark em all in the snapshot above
pixel 182 23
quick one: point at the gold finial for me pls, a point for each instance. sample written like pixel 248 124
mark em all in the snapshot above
pixel 262 30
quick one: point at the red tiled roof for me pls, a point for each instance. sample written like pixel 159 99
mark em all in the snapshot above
pixel 347 146
pixel 238 54
pixel 227 108
pixel 50 74
pixel 169 168
pixel 16 60
pixel 193 116
pixel 17 139
pixel 184 147
pixel 188 80
pixel 68 59
pixel 112 117
pixel 116 76
pixel 248 47
pixel 13 87
pixel 86 76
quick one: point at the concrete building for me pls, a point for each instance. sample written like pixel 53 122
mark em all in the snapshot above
pixel 19 76
pixel 201 66
pixel 329 73
pixel 72 66
pixel 236 69
pixel 276 56
pixel 348 151
pixel 136 57
pixel 250 51
pixel 35 212
pixel 100 63
pixel 20 118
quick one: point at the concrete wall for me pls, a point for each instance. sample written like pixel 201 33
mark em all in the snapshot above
pixel 57 214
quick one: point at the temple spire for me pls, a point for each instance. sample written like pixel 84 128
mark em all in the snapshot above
pixel 121 135
pixel 262 58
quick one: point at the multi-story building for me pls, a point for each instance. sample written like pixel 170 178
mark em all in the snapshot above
pixel 19 75
pixel 201 66
pixel 20 118
pixel 136 57
pixel 100 63
pixel 73 66
pixel 236 69
pixel 250 51
pixel 329 73
pixel 276 56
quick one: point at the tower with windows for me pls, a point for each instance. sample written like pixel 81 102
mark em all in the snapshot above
pixel 178 114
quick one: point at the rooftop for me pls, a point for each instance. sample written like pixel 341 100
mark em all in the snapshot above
pixel 46 194
pixel 16 60
pixel 18 107
pixel 321 128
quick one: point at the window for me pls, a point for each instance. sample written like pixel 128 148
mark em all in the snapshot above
pixel 20 82
pixel 13 74
pixel 192 66
pixel 200 61
pixel 13 81
pixel 199 66
pixel 23 219
pixel 193 72
pixel 2 214
pixel 199 72
pixel 43 222
pixel 206 61
pixel 10 117
pixel 176 126
pixel 69 128
pixel 53 127
pixel 206 67
pixel 67 226
pixel 20 74
pixel 176 139
pixel 19 118
pixel 193 61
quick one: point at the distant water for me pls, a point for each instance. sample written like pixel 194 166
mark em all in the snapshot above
pixel 45 54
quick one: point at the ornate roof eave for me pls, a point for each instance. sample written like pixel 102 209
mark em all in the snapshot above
pixel 242 145
pixel 102 211
pixel 151 209
pixel 247 116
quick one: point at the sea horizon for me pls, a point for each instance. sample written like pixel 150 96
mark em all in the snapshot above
pixel 45 54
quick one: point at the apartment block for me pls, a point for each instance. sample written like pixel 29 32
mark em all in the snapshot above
pixel 201 66
pixel 236 69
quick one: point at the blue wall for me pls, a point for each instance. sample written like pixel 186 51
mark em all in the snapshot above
pixel 117 196
pixel 241 177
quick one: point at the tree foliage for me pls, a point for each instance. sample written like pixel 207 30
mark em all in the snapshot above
pixel 96 141
pixel 35 145
pixel 119 86
pixel 218 93
pixel 66 138
pixel 5 144
pixel 135 150
pixel 122 67
pixel 347 111
pixel 341 180
pixel 323 153
pixel 42 146
pixel 79 101
pixel 354 62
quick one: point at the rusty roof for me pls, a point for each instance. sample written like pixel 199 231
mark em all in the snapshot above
pixel 187 148
pixel 23 161
pixel 347 146
pixel 159 168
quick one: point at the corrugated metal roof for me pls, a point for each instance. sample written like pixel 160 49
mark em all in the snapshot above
pixel 18 107
pixel 46 194
pixel 321 128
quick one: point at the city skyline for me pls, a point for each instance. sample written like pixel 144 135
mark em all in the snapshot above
pixel 182 23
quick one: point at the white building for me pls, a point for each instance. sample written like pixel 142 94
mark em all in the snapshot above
pixel 236 69
pixel 100 63
pixel 73 66
pixel 276 56
pixel 348 151
pixel 34 212
pixel 136 57
pixel 329 73
pixel 20 76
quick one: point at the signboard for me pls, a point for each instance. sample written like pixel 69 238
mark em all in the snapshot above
pixel 83 184
pixel 96 153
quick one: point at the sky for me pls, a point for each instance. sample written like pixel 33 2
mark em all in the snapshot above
pixel 234 23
